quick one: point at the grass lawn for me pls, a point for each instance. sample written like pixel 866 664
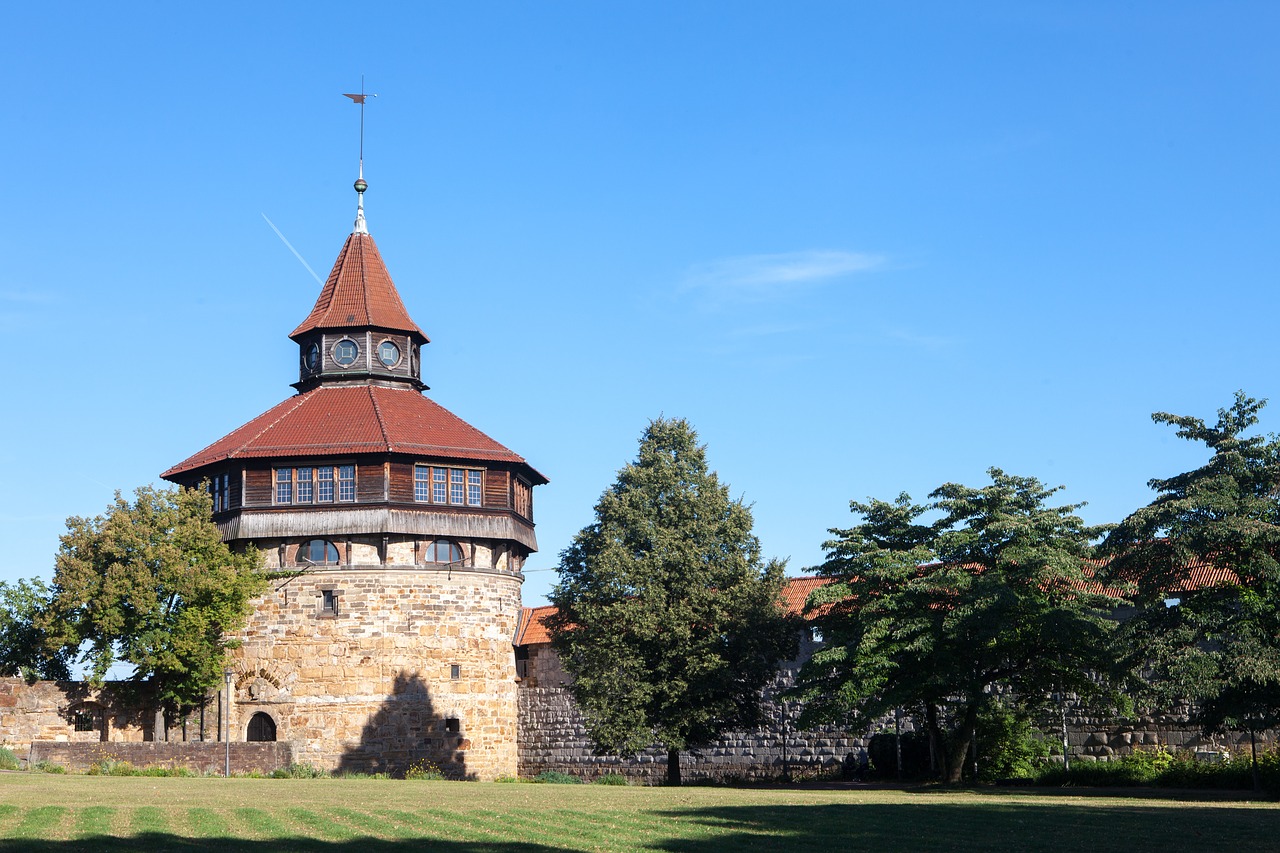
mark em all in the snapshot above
pixel 43 813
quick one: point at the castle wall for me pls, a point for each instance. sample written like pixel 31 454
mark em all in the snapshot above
pixel 415 665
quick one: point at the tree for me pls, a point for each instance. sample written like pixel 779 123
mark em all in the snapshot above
pixel 23 646
pixel 151 583
pixel 992 600
pixel 668 621
pixel 1204 562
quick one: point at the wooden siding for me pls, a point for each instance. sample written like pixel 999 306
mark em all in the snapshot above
pixel 257 487
pixel 348 520
pixel 402 482
pixel 497 489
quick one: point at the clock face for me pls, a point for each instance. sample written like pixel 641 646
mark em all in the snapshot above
pixel 345 352
pixel 313 356
pixel 388 354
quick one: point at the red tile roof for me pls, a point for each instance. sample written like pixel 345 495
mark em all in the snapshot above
pixel 358 292
pixel 533 630
pixel 337 420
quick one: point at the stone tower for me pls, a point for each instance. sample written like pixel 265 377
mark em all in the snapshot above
pixel 396 533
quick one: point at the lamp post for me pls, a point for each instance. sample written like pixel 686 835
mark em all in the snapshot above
pixel 227 675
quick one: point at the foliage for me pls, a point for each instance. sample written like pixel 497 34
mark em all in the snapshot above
pixel 151 583
pixel 668 620
pixel 882 756
pixel 1165 769
pixel 425 770
pixel 49 767
pixel 611 779
pixel 24 649
pixel 1220 644
pixel 1010 745
pixel 555 777
pixel 299 771
pixel 994 597
pixel 108 766
pixel 8 761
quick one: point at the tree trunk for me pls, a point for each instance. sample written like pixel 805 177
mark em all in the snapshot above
pixel 673 767
pixel 158 733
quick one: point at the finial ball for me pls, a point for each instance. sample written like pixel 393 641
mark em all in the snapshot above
pixel 360 185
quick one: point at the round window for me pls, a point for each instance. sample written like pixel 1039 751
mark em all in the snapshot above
pixel 388 354
pixel 313 356
pixel 345 352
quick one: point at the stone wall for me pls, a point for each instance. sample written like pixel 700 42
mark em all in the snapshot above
pixel 209 758
pixel 50 710
pixel 416 665
pixel 554 737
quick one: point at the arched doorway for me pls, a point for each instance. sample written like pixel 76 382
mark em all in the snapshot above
pixel 261 728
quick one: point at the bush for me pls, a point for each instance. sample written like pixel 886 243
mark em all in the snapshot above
pixel 8 761
pixel 299 771
pixel 1165 769
pixel 424 770
pixel 555 777
pixel 112 767
pixel 1009 747
pixel 612 779
pixel 882 756
pixel 49 767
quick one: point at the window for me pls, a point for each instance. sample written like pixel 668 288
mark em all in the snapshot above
pixel 84 720
pixel 318 552
pixel 443 551
pixel 261 728
pixel 303 477
pixel 328 602
pixel 455 671
pixel 524 498
pixel 220 490
pixel 324 485
pixel 345 352
pixel 453 725
pixel 312 485
pixel 456 486
pixel 388 354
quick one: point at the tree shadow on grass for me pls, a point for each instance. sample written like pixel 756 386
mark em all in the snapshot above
pixel 980 827
pixel 163 841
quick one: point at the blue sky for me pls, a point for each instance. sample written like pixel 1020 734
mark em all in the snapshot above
pixel 862 247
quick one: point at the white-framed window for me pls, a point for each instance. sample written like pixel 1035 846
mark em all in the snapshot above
pixel 443 551
pixel 314 484
pixel 454 486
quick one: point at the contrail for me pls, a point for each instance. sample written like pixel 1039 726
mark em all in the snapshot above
pixel 301 260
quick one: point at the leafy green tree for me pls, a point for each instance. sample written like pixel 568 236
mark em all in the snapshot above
pixel 991 599
pixel 1203 559
pixel 23 646
pixel 151 583
pixel 668 620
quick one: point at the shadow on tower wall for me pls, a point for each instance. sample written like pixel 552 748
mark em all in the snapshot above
pixel 406 732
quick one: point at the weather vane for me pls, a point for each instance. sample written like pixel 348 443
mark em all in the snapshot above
pixel 360 99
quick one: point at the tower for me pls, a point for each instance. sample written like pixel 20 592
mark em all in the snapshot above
pixel 395 533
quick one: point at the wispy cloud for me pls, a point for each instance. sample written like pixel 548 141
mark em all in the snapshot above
pixel 27 297
pixel 768 276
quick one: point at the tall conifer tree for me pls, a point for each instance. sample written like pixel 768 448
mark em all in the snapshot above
pixel 668 620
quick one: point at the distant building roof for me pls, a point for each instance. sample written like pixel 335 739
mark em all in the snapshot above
pixel 344 419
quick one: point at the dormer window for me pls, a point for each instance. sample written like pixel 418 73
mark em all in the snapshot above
pixel 388 354
pixel 312 359
pixel 345 352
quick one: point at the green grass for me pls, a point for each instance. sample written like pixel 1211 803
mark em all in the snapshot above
pixel 42 813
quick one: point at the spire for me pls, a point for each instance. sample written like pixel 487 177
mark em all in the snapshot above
pixel 361 226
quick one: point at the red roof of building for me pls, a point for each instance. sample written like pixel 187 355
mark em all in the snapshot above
pixel 533 629
pixel 339 420
pixel 358 292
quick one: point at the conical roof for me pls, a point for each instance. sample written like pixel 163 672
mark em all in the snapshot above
pixel 359 293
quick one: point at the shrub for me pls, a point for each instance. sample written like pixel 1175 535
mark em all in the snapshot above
pixel 555 777
pixel 1009 747
pixel 1165 769
pixel 8 761
pixel 612 779
pixel 49 767
pixel 299 771
pixel 112 767
pixel 424 770
pixel 882 756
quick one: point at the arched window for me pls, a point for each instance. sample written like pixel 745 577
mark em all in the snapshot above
pixel 318 552
pixel 261 728
pixel 443 551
